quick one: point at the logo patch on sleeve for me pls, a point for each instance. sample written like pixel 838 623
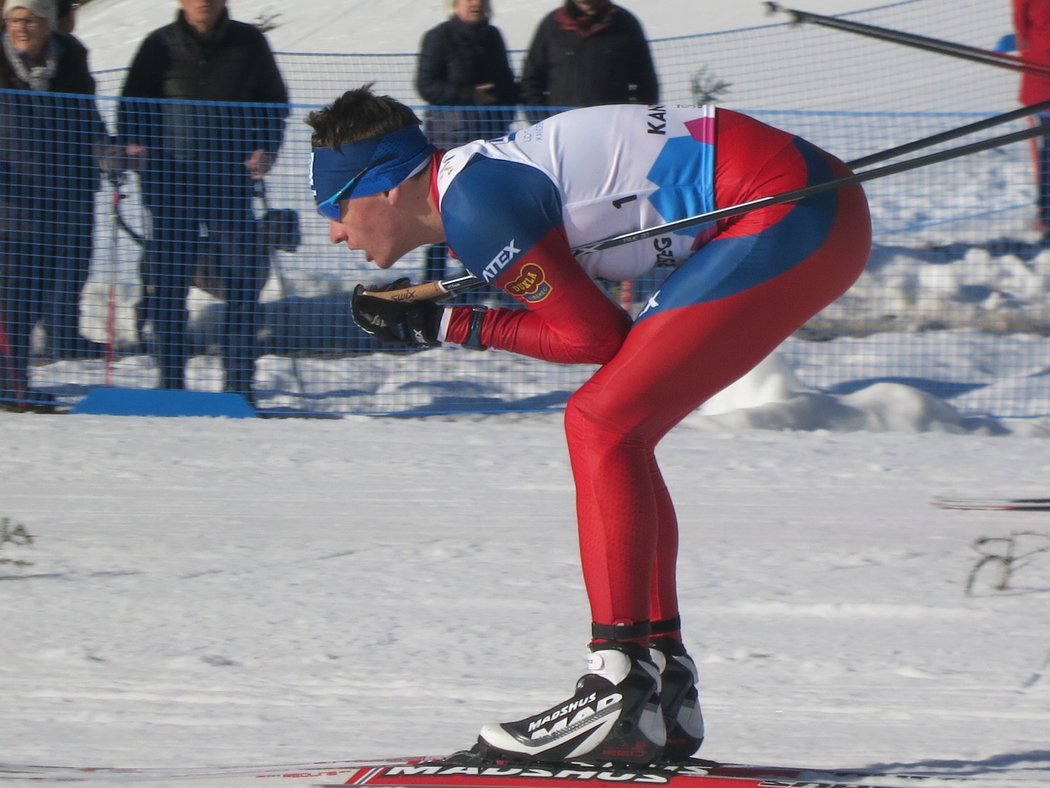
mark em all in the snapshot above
pixel 531 285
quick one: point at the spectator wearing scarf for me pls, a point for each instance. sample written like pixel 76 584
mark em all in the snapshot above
pixel 48 177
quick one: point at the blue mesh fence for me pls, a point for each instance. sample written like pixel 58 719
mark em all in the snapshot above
pixel 180 271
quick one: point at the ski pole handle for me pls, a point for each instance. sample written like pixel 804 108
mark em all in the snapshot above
pixel 429 291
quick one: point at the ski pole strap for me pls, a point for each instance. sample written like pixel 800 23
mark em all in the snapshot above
pixel 621 632
pixel 477 317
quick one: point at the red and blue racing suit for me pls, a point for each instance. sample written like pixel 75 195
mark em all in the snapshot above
pixel 514 208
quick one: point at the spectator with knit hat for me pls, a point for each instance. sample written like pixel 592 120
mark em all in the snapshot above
pixel 48 147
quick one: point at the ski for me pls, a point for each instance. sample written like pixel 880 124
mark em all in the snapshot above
pixel 1004 504
pixel 467 770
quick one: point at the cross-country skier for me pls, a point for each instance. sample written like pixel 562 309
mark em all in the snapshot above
pixel 512 209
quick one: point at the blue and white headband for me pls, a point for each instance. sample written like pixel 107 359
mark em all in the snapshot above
pixel 360 169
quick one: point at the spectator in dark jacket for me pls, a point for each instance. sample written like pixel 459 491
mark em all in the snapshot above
pixel 586 53
pixel 62 313
pixel 48 177
pixel 463 64
pixel 199 161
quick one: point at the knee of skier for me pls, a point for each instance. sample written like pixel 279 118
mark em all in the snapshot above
pixel 591 420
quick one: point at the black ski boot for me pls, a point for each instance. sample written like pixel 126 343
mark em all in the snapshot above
pixel 679 699
pixel 614 716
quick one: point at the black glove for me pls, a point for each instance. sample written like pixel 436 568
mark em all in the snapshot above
pixel 409 323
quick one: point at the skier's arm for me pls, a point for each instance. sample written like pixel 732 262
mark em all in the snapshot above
pixel 504 222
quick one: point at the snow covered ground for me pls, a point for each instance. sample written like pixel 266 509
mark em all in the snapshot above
pixel 217 592
pixel 214 592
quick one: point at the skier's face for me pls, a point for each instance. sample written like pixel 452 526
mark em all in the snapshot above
pixel 388 225
pixel 374 225
pixel 202 15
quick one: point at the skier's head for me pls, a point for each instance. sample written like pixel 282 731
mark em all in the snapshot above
pixel 363 144
pixel 370 176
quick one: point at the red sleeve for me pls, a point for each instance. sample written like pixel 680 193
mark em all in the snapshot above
pixel 569 319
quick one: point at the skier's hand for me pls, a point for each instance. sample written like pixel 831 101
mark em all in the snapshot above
pixel 408 323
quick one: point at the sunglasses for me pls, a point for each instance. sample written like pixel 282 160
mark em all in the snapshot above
pixel 329 209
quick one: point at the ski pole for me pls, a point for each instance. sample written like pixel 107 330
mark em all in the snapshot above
pixel 950 134
pixel 817 188
pixel 430 291
pixel 111 299
pixel 444 289
pixel 975 54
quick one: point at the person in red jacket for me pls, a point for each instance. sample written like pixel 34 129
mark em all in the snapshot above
pixel 1032 25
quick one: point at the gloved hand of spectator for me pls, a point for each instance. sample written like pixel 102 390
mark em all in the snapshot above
pixel 258 164
pixel 485 95
pixel 115 159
